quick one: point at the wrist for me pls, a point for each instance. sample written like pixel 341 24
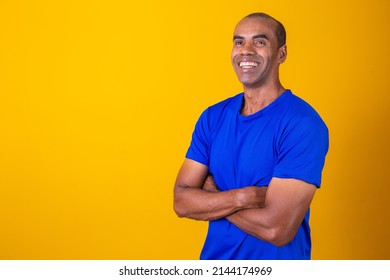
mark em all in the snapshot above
pixel 241 199
pixel 250 197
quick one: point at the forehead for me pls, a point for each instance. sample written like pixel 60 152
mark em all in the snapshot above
pixel 249 27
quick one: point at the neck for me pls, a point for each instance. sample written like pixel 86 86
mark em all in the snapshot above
pixel 256 99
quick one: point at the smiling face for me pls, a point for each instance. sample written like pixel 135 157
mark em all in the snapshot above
pixel 256 55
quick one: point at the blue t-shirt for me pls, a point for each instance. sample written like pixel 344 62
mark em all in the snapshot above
pixel 286 139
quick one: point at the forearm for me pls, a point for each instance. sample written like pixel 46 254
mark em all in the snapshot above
pixel 263 224
pixel 205 205
pixel 256 222
pixel 196 195
pixel 287 202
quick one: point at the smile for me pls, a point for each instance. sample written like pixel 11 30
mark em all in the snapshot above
pixel 247 64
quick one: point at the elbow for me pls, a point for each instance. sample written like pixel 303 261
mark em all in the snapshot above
pixel 281 241
pixel 279 236
pixel 183 212
pixel 180 211
pixel 181 208
pixel 178 207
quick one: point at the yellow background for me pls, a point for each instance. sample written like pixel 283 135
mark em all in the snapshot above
pixel 98 100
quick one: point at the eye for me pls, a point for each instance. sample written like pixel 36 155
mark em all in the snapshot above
pixel 238 42
pixel 259 42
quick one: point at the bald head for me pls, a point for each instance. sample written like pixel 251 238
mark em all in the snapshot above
pixel 280 31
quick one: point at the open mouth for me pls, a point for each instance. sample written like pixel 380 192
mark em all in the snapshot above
pixel 247 64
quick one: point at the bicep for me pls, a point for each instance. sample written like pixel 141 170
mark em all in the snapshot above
pixel 191 174
pixel 288 200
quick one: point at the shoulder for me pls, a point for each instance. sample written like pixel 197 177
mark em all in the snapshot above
pixel 298 111
pixel 232 103
pixel 299 106
pixel 219 110
pixel 301 124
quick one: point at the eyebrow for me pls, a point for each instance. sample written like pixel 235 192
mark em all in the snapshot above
pixel 238 37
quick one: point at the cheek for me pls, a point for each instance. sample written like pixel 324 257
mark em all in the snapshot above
pixel 234 58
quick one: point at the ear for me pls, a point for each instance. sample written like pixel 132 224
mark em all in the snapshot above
pixel 282 53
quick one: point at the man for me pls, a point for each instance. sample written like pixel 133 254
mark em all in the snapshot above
pixel 255 159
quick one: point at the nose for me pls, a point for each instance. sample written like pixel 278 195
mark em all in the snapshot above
pixel 247 49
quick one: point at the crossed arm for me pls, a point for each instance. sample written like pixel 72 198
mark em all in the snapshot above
pixel 272 214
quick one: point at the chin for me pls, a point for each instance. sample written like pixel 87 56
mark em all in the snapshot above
pixel 249 84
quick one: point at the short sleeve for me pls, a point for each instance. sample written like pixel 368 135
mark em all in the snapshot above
pixel 302 150
pixel 200 143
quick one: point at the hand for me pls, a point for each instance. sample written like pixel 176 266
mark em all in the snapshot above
pixel 253 196
pixel 209 184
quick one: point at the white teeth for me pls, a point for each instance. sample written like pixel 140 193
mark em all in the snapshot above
pixel 247 64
